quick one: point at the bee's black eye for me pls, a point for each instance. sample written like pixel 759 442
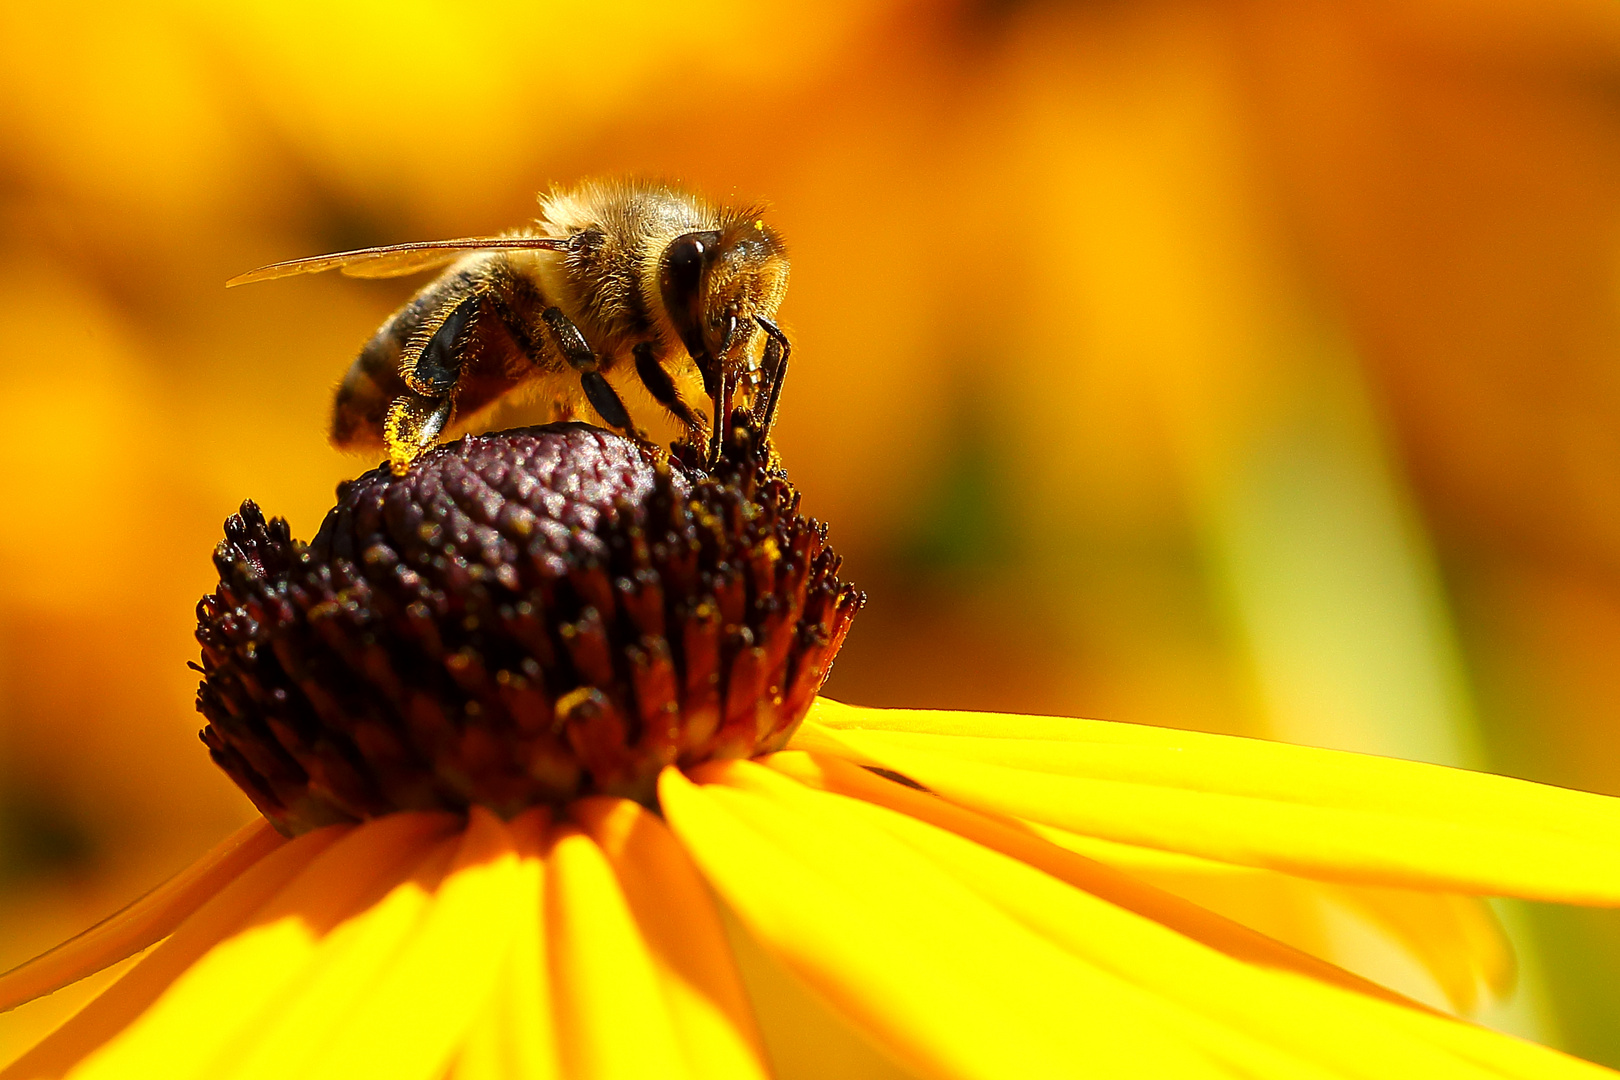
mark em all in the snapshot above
pixel 680 279
pixel 681 274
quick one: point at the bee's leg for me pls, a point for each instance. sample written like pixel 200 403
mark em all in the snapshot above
pixel 437 368
pixel 718 385
pixel 607 402
pixel 374 380
pixel 413 425
pixel 710 372
pixel 574 348
pixel 663 389
pixel 775 362
pixel 416 417
pixel 725 389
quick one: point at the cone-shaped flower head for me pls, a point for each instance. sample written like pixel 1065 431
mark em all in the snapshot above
pixel 521 619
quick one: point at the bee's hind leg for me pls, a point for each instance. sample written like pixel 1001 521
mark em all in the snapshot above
pixel 413 425
pixel 417 417
pixel 603 398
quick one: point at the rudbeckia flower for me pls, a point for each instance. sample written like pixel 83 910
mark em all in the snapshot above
pixel 525 721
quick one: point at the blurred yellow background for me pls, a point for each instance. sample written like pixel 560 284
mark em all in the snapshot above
pixel 1242 365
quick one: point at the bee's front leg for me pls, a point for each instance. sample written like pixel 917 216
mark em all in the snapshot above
pixel 598 391
pixel 775 363
pixel 724 393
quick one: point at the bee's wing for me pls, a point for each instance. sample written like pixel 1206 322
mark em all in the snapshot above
pixel 396 259
pixel 397 264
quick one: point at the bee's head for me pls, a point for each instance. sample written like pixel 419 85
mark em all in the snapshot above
pixel 714 283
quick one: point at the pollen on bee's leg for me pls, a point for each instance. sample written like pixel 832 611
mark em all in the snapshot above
pixel 517 619
pixel 413 424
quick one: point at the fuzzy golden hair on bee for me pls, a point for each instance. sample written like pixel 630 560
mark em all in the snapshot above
pixel 612 276
pixel 751 269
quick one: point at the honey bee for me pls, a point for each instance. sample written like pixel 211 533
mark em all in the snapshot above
pixel 610 274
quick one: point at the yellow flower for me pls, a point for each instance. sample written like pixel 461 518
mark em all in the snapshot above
pixel 517 718
pixel 946 923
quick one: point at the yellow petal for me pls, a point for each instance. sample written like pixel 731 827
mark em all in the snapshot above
pixel 825 712
pixel 512 1038
pixel 239 977
pixel 149 919
pixel 1230 764
pixel 1122 890
pixel 612 1020
pixel 805 1038
pixel 1262 1021
pixel 949 984
pixel 415 1015
pixel 289 1030
pixel 1316 813
pixel 1456 938
pixel 1080 987
pixel 678 921
pixel 110 1013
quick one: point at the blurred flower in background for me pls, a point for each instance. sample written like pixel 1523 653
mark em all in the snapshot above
pixel 1242 366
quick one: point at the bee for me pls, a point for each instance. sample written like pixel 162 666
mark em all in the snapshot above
pixel 610 275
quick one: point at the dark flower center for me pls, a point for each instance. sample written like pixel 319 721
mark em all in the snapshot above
pixel 522 618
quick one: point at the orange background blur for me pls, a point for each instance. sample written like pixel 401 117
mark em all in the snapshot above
pixel 1241 364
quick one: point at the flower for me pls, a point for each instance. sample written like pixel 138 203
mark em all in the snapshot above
pixel 518 619
pixel 526 885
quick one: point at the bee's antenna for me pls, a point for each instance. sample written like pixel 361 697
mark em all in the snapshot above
pixel 774 363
